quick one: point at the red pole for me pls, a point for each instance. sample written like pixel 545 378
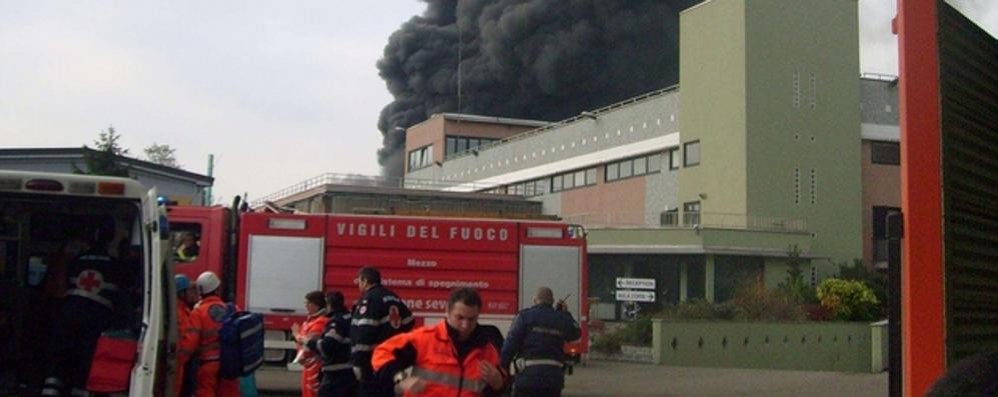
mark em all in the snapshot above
pixel 923 305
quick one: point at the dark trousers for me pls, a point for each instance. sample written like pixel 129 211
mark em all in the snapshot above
pixel 536 392
pixel 338 384
pixel 74 339
pixel 371 386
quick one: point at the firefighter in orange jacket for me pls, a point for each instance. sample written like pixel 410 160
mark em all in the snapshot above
pixel 187 297
pixel 206 320
pixel 311 328
pixel 451 358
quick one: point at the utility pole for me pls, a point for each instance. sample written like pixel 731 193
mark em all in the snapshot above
pixel 211 169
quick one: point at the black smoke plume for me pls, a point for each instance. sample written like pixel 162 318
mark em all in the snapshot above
pixel 535 59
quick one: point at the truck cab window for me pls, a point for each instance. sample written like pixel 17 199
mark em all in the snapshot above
pixel 185 239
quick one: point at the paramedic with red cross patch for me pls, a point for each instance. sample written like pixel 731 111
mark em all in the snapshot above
pixel 97 284
pixel 379 315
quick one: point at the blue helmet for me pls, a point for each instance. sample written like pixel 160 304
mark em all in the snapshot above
pixel 182 282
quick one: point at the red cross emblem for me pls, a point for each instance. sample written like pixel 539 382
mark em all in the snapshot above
pixel 90 281
pixel 394 318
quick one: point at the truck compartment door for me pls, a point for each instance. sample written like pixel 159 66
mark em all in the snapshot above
pixel 556 267
pixel 280 271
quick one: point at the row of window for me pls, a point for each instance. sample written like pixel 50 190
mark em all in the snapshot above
pixel 459 144
pixel 637 166
pixel 419 158
pixel 574 179
pixel 634 167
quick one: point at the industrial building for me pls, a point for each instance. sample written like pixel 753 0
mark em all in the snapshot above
pixel 771 140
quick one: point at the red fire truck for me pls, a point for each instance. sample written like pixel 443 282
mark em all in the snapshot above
pixel 269 261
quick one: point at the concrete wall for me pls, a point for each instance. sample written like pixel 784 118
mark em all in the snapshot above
pixel 712 66
pixel 759 115
pixel 621 201
pixel 429 132
pixel 818 133
pixel 828 346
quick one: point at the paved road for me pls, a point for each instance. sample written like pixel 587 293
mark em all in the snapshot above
pixel 611 379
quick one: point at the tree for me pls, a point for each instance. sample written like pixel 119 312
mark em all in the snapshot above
pixel 794 289
pixel 162 155
pixel 106 156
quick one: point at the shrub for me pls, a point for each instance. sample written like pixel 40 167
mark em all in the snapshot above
pixel 877 282
pixel 637 332
pixel 849 300
pixel 753 302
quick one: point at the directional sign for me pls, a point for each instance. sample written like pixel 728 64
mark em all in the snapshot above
pixel 635 283
pixel 636 296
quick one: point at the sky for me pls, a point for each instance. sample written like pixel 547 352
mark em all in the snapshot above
pixel 278 91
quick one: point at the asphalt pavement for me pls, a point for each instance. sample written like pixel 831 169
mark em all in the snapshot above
pixel 613 379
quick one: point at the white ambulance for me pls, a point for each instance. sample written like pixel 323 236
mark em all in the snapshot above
pixel 44 219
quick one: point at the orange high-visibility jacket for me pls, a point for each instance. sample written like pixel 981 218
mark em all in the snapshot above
pixel 431 353
pixel 185 331
pixel 205 321
pixel 311 328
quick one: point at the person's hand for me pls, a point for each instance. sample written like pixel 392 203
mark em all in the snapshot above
pixel 561 306
pixel 295 328
pixel 491 375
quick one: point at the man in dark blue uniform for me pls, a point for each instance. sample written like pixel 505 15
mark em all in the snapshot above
pixel 334 349
pixel 97 285
pixel 536 340
pixel 379 315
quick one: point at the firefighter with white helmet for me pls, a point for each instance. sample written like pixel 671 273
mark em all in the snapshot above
pixel 206 320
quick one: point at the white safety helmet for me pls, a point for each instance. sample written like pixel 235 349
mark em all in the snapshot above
pixel 208 282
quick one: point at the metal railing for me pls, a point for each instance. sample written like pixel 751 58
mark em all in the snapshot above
pixel 688 220
pixel 584 115
pixel 330 178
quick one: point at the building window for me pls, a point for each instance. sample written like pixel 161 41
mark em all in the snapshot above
pixel 626 169
pixel 691 153
pixel 574 179
pixel 535 187
pixel 612 171
pixel 691 213
pixel 674 162
pixel 888 153
pixel 458 144
pixel 654 163
pixel 640 166
pixel 420 158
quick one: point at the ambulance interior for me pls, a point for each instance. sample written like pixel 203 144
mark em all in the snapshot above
pixel 40 235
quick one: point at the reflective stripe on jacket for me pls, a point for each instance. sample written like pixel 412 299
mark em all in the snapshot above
pixel 434 360
pixel 537 339
pixel 379 314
